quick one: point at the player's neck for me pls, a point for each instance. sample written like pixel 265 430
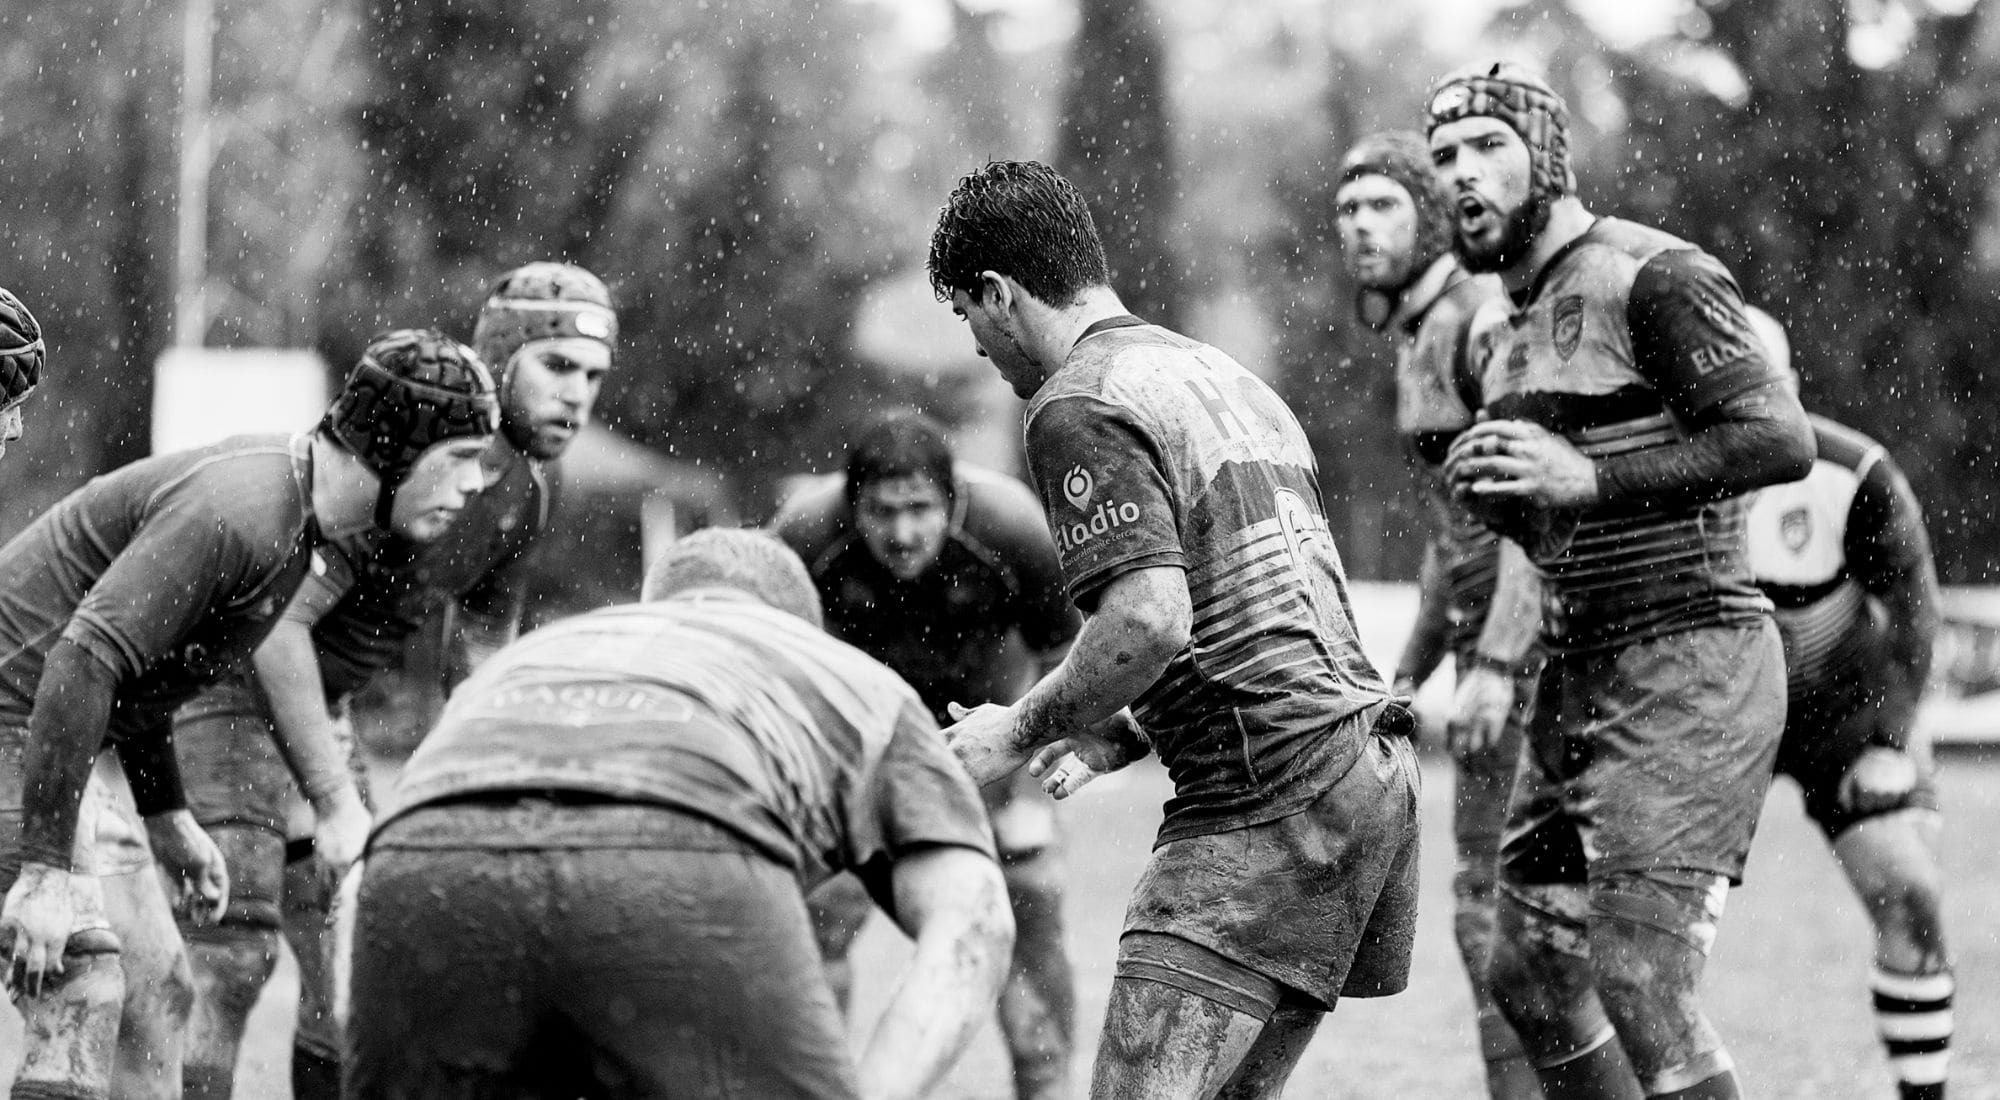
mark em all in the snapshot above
pixel 1568 220
pixel 343 488
pixel 1067 324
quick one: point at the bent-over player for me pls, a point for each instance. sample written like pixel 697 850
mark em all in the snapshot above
pixel 1184 502
pixel 1845 557
pixel 120 603
pixel 444 599
pixel 625 810
pixel 946 574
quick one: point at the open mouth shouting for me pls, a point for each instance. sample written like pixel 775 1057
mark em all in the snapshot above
pixel 1475 215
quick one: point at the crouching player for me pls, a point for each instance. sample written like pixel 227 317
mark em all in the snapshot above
pixel 117 605
pixel 1844 556
pixel 625 810
pixel 947 575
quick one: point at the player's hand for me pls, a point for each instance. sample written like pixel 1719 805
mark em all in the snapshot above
pixel 1067 764
pixel 194 864
pixel 1480 709
pixel 1521 460
pixel 340 831
pixel 1879 779
pixel 983 739
pixel 35 924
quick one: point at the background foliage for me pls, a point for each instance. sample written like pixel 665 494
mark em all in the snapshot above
pixel 757 177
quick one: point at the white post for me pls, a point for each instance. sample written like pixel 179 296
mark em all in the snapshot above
pixel 191 233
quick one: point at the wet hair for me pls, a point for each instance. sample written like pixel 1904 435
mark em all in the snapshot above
pixel 903 443
pixel 1022 219
pixel 749 561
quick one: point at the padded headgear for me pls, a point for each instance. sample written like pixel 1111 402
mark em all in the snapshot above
pixel 22 351
pixel 412 390
pixel 1404 158
pixel 1519 97
pixel 541 301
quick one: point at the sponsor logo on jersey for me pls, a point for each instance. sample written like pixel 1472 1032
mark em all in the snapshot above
pixel 1568 326
pixel 1795 528
pixel 1108 516
pixel 1077 485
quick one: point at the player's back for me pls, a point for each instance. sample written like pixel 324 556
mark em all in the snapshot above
pixel 169 569
pixel 713 704
pixel 1273 666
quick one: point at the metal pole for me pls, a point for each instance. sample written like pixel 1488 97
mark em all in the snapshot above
pixel 191 233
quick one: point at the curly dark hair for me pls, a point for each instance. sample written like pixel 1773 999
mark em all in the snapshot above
pixel 1022 219
pixel 899 443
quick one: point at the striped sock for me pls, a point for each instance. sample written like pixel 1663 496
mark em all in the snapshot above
pixel 1913 1013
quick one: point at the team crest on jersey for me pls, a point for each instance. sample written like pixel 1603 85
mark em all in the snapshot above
pixel 1568 326
pixel 1795 528
pixel 1077 485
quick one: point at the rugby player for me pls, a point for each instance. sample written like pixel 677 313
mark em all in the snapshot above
pixel 1395 237
pixel 1185 506
pixel 121 602
pixel 548 330
pixel 1845 557
pixel 22 354
pixel 1629 406
pixel 626 809
pixel 945 573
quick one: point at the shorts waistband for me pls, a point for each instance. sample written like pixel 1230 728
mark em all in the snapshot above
pixel 536 821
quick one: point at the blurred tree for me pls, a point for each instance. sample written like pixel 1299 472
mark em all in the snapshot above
pixel 713 163
pixel 1115 143
pixel 1851 200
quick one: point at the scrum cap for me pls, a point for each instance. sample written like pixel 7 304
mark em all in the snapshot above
pixel 22 351
pixel 412 390
pixel 1403 158
pixel 1515 95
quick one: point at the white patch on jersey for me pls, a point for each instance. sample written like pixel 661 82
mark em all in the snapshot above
pixel 1077 485
pixel 1797 532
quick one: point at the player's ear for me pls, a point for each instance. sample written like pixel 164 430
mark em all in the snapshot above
pixel 995 291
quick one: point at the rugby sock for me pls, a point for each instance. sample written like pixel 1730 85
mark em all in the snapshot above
pixel 1913 1014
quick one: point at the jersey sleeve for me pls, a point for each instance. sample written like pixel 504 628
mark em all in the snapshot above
pixel 1690 338
pixel 1110 509
pixel 1886 540
pixel 184 560
pixel 917 797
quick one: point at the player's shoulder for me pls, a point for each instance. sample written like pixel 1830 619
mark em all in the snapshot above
pixel 998 510
pixel 252 487
pixel 1642 243
pixel 1842 446
pixel 813 515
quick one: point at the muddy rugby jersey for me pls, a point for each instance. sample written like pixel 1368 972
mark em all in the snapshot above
pixel 947 631
pixel 1437 397
pixel 1821 546
pixel 1151 449
pixel 368 595
pixel 169 571
pixel 1624 335
pixel 717 705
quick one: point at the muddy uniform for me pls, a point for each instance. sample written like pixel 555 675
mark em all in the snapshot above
pixel 370 601
pixel 168 572
pixel 1664 661
pixel 1289 846
pixel 625 809
pixel 1820 548
pixel 948 632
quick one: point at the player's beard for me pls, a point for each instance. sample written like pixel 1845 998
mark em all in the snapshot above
pixel 1517 236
